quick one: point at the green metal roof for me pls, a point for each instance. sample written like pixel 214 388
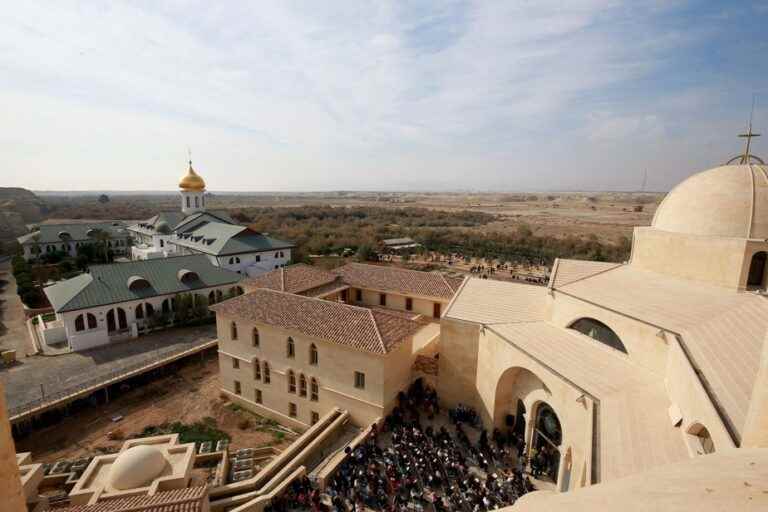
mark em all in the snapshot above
pixel 108 284
pixel 178 221
pixel 220 239
pixel 78 232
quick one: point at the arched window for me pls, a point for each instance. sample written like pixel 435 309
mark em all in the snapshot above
pixel 598 331
pixel 315 390
pixel 290 348
pixel 302 385
pixel 212 298
pixel 150 310
pixel 231 260
pixel 291 382
pixel 187 201
pixel 256 369
pixel 702 440
pixel 79 323
pixel 140 311
pixel 233 331
pixel 91 321
pixel 255 337
pixel 266 373
pixel 219 295
pixel 313 357
pixel 166 306
pixel 197 202
pixel 756 276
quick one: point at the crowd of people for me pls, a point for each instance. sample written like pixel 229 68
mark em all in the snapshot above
pixel 409 465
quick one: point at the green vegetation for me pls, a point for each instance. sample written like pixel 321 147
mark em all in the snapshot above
pixel 330 230
pixel 30 293
pixel 198 432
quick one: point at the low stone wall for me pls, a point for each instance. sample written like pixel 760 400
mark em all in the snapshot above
pixel 325 474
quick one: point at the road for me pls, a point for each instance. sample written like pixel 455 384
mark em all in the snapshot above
pixel 13 328
pixel 55 373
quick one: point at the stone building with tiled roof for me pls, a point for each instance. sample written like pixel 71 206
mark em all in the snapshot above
pixel 620 369
pixel 303 340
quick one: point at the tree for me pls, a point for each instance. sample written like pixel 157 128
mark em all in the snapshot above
pixel 102 238
pixel 366 253
pixel 183 307
pixel 103 198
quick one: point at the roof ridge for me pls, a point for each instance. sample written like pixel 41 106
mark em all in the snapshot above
pixel 456 295
pixel 378 332
pixel 615 266
pixel 307 297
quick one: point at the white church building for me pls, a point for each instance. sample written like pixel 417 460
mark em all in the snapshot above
pixel 193 229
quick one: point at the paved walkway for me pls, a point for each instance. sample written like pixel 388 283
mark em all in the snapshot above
pixel 13 327
pixel 58 373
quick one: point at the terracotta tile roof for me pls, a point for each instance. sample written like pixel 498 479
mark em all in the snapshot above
pixel 190 499
pixel 297 278
pixel 386 278
pixel 359 328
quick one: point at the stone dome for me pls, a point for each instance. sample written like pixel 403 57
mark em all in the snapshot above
pixel 727 201
pixel 136 467
pixel 191 181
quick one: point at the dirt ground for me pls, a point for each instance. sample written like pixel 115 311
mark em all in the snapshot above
pixel 188 396
pixel 13 327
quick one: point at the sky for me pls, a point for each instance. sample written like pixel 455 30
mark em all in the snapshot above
pixel 356 95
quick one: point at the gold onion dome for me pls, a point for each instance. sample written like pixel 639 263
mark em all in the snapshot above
pixel 191 181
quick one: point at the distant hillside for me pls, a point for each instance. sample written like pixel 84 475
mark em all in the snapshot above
pixel 18 207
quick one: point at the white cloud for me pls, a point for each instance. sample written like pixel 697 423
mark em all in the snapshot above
pixel 292 95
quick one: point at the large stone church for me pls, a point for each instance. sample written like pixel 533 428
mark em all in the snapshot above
pixel 619 369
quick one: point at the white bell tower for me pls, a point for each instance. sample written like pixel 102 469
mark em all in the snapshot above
pixel 192 192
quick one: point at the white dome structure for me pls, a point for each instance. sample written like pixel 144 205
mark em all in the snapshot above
pixel 136 467
pixel 727 201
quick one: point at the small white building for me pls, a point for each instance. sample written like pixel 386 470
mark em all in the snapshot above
pixel 68 239
pixel 124 300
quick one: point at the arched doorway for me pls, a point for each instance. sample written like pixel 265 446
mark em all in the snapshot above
pixel 546 439
pixel 512 390
pixel 756 277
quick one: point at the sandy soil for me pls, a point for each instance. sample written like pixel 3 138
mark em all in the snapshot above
pixel 189 396
pixel 13 327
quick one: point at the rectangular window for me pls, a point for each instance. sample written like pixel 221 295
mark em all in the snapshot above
pixel 408 304
pixel 238 389
pixel 292 409
pixel 359 295
pixel 235 364
pixel 256 370
pixel 315 417
pixel 258 396
pixel 382 299
pixel 360 380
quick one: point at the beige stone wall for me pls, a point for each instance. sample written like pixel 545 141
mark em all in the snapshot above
pixel 718 261
pixel 334 373
pixel 505 374
pixel 421 305
pixel 643 345
pixel 685 391
pixel 11 492
pixel 458 363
